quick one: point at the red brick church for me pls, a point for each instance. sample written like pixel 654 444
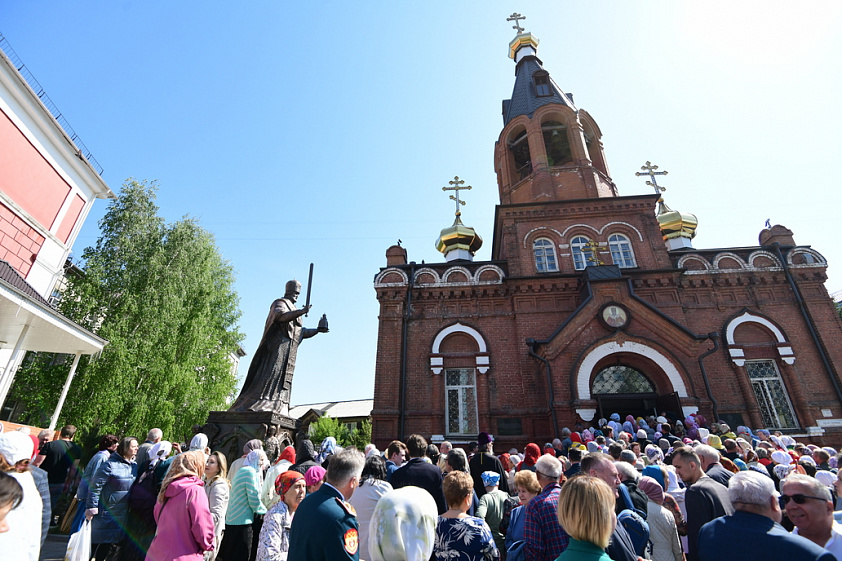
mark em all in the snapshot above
pixel 594 303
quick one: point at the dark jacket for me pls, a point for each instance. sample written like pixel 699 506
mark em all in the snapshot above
pixel 323 529
pixel 705 500
pixel 419 473
pixel 745 535
pixel 483 461
pixel 719 473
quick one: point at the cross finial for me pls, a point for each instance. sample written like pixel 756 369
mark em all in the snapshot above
pixel 768 223
pixel 515 17
pixel 649 170
pixel 591 248
pixel 457 185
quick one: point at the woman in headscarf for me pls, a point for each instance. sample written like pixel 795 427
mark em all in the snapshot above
pixel 662 528
pixel 217 489
pixel 185 525
pixel 373 486
pixel 305 456
pixel 530 455
pixel 23 540
pixel 403 526
pixel 328 448
pixel 254 444
pixel 314 478
pixel 243 506
pixel 143 496
pixel 108 500
pixel 273 543
pixel 268 495
pixel 200 442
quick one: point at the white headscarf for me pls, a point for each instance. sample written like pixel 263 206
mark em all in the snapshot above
pixel 403 526
pixel 16 446
pixel 257 459
pixel 159 452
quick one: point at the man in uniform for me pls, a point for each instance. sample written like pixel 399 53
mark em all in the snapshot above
pixel 325 525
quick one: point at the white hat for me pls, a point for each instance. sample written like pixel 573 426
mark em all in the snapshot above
pixel 826 478
pixel 781 457
pixel 16 446
pixel 662 419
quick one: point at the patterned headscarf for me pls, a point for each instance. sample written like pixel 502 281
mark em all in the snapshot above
pixel 159 452
pixel 490 478
pixel 328 448
pixel 403 526
pixel 285 481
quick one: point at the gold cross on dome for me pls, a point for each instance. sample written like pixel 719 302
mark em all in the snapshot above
pixel 515 17
pixel 649 170
pixel 457 185
pixel 591 248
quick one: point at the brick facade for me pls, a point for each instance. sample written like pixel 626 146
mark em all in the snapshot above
pixel 19 243
pixel 724 332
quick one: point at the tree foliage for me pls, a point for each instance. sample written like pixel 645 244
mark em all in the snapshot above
pixel 163 297
pixel 330 426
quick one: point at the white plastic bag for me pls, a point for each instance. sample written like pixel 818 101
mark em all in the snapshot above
pixel 79 544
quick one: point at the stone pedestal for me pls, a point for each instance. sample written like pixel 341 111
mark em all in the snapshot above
pixel 228 431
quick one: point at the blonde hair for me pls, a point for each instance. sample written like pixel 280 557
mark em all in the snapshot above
pixel 187 464
pixel 586 510
pixel 528 481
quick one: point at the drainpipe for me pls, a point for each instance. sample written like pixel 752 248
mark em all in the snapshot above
pixel 531 344
pixel 714 337
pixel 776 246
pixel 405 331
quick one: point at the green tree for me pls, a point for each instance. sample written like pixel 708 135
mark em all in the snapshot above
pixel 328 426
pixel 163 297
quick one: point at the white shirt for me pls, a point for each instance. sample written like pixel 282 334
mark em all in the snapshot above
pixel 23 540
pixel 834 544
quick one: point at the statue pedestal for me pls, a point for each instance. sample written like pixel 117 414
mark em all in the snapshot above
pixel 228 431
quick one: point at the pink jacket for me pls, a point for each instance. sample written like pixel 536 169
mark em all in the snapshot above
pixel 185 525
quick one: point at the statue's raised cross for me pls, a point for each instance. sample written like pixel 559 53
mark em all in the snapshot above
pixel 457 185
pixel 515 17
pixel 649 170
pixel 591 248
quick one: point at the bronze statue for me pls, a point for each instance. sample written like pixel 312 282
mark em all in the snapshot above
pixel 269 380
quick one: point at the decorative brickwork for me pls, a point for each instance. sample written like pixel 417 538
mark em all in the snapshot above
pixel 19 243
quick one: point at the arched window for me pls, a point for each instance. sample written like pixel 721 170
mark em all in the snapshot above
pixel 545 261
pixel 520 152
pixel 582 256
pixel 621 379
pixel 621 251
pixel 556 143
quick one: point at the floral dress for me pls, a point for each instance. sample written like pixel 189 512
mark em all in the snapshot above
pixel 464 539
pixel 273 544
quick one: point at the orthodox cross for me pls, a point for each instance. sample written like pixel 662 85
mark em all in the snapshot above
pixel 515 17
pixel 456 186
pixel 649 170
pixel 591 248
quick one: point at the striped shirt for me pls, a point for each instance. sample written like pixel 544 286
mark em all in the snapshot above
pixel 244 501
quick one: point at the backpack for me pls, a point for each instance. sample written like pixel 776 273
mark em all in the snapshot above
pixel 143 493
pixel 634 522
pixel 637 529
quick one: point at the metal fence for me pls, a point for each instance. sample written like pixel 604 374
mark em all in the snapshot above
pixel 48 103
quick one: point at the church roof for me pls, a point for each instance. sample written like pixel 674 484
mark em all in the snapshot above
pixel 525 99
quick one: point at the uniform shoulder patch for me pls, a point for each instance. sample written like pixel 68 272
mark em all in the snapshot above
pixel 347 507
pixel 352 541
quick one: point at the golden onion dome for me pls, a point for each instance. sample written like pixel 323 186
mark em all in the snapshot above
pixel 459 237
pixel 675 224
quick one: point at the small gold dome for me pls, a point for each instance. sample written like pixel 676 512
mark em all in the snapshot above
pixel 459 236
pixel 522 40
pixel 676 224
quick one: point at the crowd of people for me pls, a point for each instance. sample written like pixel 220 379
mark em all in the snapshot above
pixel 624 490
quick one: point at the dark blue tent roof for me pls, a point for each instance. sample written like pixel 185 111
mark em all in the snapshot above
pixel 525 99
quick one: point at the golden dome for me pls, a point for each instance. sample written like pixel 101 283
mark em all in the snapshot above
pixel 522 40
pixel 676 224
pixel 459 237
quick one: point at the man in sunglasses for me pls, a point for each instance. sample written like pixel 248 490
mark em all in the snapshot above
pixel 808 504
pixel 753 531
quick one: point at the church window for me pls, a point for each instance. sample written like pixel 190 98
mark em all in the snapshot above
pixel 556 143
pixel 460 386
pixel 545 261
pixel 520 152
pixel 621 251
pixel 542 83
pixel 621 379
pixel 582 256
pixel 771 395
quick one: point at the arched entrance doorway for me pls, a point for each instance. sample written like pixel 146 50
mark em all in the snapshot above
pixel 623 389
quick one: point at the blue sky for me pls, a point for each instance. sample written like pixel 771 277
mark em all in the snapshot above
pixel 324 131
